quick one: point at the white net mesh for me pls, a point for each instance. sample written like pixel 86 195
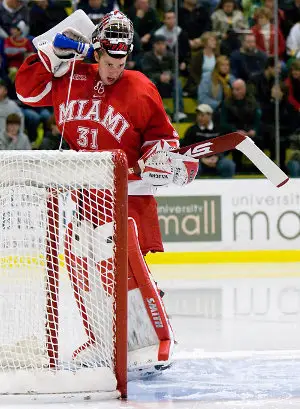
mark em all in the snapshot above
pixel 58 213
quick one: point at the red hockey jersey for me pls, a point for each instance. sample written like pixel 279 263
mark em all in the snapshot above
pixel 127 115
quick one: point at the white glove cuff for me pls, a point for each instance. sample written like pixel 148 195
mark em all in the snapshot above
pixel 51 61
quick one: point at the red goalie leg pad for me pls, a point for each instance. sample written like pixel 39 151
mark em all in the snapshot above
pixel 105 268
pixel 139 272
pixel 94 205
pixel 76 266
pixel 78 274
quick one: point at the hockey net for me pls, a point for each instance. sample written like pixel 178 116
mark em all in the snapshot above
pixel 63 330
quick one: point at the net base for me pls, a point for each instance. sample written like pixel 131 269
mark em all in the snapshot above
pixel 38 385
pixel 58 398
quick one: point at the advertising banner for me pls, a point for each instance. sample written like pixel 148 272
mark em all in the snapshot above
pixel 189 218
pixel 207 215
pixel 230 215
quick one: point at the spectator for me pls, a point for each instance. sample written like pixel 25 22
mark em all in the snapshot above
pixel 231 43
pixel 261 84
pixel 11 90
pixel 8 106
pixel 45 14
pixel 16 49
pixel 227 17
pixel 133 61
pixel 203 129
pixel 202 61
pixel 293 165
pixel 145 21
pixel 194 20
pixel 13 12
pixel 249 7
pixel 269 4
pixel 12 137
pixel 292 14
pixel 241 112
pixel 171 32
pixel 33 118
pixel 264 33
pixel 52 137
pixel 248 60
pixel 96 9
pixel 288 122
pixel 210 5
pixel 158 65
pixel 293 41
pixel 293 84
pixel 215 86
pixel 228 21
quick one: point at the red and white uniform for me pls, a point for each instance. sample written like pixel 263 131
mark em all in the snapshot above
pixel 127 115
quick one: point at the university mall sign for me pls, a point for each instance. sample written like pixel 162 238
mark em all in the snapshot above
pixel 190 218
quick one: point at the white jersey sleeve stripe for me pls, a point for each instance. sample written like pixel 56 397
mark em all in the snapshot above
pixel 37 98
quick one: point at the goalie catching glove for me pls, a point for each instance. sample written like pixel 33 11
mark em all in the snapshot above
pixel 56 56
pixel 160 166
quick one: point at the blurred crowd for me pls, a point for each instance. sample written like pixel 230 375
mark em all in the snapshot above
pixel 238 60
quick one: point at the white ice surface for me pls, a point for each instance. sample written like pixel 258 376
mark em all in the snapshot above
pixel 224 360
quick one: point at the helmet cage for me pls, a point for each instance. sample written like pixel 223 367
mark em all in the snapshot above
pixel 114 34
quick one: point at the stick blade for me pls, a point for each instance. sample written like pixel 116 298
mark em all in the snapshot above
pixel 263 162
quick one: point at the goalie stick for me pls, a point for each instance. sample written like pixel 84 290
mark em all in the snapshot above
pixel 235 140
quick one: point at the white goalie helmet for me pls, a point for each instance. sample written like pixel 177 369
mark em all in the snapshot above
pixel 114 35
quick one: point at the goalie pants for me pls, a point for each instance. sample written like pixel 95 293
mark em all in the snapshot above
pixel 143 209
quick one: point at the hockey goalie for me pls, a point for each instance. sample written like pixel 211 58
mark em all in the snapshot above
pixel 99 105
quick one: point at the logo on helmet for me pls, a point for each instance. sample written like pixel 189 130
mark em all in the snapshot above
pixel 114 47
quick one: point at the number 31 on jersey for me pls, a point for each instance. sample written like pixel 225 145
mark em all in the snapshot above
pixel 87 138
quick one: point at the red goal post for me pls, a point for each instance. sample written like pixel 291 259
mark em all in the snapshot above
pixel 46 307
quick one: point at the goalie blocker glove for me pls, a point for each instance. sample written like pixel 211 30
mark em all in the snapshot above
pixel 160 166
pixel 56 56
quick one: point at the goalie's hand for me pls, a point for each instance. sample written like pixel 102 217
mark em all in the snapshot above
pixel 160 166
pixel 56 56
pixel 71 42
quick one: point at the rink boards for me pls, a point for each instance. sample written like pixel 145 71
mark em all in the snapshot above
pixel 207 221
pixel 220 221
